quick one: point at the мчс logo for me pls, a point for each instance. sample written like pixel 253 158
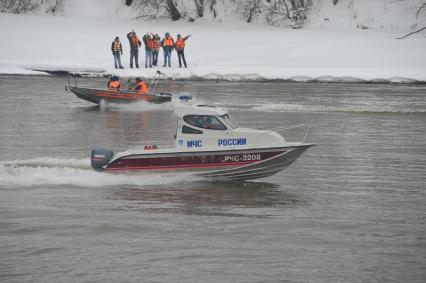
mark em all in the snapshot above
pixel 197 143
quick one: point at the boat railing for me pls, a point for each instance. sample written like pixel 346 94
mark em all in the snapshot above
pixel 297 126
pixel 153 85
pixel 68 85
pixel 72 82
pixel 158 143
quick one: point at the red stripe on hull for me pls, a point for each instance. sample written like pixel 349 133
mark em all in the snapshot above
pixel 184 166
pixel 128 96
pixel 196 161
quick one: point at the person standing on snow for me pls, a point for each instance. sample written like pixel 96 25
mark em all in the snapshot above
pixel 135 43
pixel 180 47
pixel 167 43
pixel 149 48
pixel 156 49
pixel 117 49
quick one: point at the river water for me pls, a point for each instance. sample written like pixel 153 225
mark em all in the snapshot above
pixel 351 209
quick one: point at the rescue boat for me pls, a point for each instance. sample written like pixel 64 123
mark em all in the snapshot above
pixel 208 143
pixel 117 96
pixel 124 95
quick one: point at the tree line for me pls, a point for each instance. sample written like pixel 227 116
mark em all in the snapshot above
pixel 273 12
pixel 25 6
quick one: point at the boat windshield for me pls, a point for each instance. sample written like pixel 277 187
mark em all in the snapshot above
pixel 229 121
pixel 205 122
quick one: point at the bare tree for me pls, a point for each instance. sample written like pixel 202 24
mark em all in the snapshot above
pixel 174 12
pixel 420 9
pixel 53 6
pixel 199 4
pixel 277 13
pixel 287 12
pixel 24 6
pixel 411 33
pixel 417 16
pixel 18 6
pixel 149 8
pixel 212 8
pixel 251 9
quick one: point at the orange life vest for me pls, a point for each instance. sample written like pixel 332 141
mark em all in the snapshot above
pixel 151 44
pixel 114 85
pixel 156 44
pixel 168 41
pixel 117 46
pixel 135 40
pixel 180 43
pixel 143 88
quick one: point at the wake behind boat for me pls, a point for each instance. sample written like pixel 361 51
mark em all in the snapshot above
pixel 210 144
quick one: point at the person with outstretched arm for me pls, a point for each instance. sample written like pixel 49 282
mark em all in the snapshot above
pixel 135 43
pixel 180 48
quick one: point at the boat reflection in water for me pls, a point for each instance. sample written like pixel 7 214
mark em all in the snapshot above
pixel 222 198
pixel 208 143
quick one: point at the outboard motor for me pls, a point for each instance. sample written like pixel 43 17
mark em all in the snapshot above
pixel 100 158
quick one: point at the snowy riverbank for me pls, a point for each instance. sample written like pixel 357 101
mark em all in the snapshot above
pixel 229 51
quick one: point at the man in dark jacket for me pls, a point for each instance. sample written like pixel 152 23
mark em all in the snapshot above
pixel 135 43
pixel 168 44
pixel 117 49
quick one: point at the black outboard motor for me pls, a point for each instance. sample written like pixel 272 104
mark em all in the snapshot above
pixel 100 158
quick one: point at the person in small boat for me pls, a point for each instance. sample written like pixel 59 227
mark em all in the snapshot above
pixel 180 47
pixel 204 122
pixel 117 49
pixel 114 83
pixel 135 43
pixel 140 86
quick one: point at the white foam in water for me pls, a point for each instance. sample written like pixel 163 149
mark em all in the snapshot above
pixel 53 162
pixel 50 171
pixel 147 106
pixel 137 106
pixel 279 107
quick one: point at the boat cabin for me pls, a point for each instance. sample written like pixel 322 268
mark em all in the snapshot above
pixel 204 127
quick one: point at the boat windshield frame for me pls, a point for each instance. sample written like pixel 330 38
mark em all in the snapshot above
pixel 231 122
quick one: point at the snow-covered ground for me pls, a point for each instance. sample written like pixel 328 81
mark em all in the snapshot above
pixel 81 41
